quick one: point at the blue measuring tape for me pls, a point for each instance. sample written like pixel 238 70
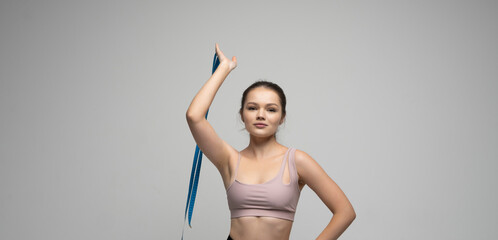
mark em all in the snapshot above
pixel 196 169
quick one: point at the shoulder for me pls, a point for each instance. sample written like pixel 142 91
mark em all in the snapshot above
pixel 301 157
pixel 307 168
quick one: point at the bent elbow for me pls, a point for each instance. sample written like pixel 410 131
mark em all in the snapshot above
pixel 347 214
pixel 188 115
pixel 351 215
pixel 192 117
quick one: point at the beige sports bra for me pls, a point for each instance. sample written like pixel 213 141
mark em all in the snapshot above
pixel 270 199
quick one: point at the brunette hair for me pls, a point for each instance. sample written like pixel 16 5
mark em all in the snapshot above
pixel 269 85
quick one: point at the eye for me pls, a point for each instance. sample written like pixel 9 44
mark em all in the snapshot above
pixel 272 109
pixel 251 108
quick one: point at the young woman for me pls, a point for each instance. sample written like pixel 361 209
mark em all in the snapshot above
pixel 264 180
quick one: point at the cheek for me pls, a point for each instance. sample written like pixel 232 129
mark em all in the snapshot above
pixel 242 116
pixel 277 118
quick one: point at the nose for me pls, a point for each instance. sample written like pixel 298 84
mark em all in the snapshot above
pixel 261 114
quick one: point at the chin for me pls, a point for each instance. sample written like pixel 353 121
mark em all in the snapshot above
pixel 261 135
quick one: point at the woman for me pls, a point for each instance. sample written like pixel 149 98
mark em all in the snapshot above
pixel 264 180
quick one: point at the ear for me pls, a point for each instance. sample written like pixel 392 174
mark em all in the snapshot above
pixel 241 116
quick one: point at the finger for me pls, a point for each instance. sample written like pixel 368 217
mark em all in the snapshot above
pixel 219 52
pixel 234 59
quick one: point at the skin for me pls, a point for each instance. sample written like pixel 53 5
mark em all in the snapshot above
pixel 261 159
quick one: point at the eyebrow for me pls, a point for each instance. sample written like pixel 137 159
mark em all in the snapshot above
pixel 269 104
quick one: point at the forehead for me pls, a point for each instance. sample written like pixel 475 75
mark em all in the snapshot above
pixel 263 95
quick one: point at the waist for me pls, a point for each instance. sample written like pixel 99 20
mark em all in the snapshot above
pixel 272 213
pixel 261 228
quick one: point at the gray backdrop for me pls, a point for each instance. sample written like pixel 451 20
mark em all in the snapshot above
pixel 397 100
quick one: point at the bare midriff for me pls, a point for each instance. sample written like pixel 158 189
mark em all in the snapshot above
pixel 260 228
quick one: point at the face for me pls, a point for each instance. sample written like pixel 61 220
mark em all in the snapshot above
pixel 262 112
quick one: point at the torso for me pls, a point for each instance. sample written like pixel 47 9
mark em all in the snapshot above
pixel 254 172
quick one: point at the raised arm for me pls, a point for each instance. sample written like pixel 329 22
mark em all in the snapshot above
pixel 215 149
pixel 334 198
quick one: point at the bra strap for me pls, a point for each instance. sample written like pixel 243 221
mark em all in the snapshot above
pixel 282 168
pixel 237 168
pixel 292 165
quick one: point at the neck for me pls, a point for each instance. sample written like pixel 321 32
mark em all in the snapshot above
pixel 261 148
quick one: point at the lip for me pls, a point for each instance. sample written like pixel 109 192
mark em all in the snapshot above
pixel 260 125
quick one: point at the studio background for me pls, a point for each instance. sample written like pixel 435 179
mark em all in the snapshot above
pixel 397 100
